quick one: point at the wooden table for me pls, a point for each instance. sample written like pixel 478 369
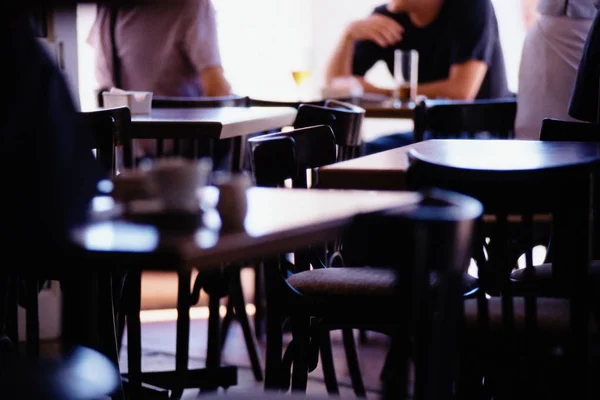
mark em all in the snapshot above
pixel 278 220
pixel 387 170
pixel 375 106
pixel 386 110
pixel 380 171
pixel 215 123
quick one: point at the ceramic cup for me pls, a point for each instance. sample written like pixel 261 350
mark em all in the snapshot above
pixel 174 182
pixel 233 202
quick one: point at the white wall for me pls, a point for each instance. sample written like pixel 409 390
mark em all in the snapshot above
pixel 262 40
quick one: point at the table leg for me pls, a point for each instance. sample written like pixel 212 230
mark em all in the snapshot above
pixel 183 333
pixel 238 146
pixel 134 332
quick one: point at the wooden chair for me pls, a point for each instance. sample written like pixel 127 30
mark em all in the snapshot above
pixel 508 337
pixel 345 120
pixel 563 131
pixel 278 157
pixel 453 119
pixel 106 128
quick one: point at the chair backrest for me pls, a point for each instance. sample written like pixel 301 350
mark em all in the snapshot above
pixel 558 130
pixel 279 156
pixel 199 102
pixel 109 128
pixel 434 235
pixel 345 120
pixel 453 118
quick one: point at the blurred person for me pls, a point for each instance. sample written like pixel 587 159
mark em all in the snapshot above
pixel 549 62
pixel 48 170
pixel 460 56
pixel 169 48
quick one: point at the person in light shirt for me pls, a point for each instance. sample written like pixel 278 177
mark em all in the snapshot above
pixel 169 48
pixel 550 59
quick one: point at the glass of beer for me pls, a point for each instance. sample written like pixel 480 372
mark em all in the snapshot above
pixel 406 76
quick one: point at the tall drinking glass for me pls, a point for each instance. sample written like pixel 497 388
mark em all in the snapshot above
pixel 406 76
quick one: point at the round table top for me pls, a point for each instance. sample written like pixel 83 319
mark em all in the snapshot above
pixel 505 155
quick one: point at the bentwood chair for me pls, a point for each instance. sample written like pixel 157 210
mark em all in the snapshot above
pixel 288 155
pixel 511 339
pixel 493 118
pixel 107 127
pixel 345 120
pixel 563 131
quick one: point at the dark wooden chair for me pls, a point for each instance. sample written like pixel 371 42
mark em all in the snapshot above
pixel 345 119
pixel 278 157
pixel 453 119
pixel 563 131
pixel 106 128
pixel 509 338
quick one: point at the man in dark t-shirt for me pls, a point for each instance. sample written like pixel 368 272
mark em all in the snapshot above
pixel 460 56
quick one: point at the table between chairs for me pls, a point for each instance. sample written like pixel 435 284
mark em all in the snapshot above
pixel 376 106
pixel 277 221
pixel 215 123
pixel 387 170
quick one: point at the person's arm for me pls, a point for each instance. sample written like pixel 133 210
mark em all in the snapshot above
pixel 202 47
pixel 463 83
pixel 529 10
pixel 361 41
pixel 214 82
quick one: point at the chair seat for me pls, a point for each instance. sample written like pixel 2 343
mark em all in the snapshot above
pixel 358 281
pixel 542 283
pixel 552 313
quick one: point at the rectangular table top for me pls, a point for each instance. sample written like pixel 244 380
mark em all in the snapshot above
pixel 278 220
pixel 387 170
pixel 380 171
pixel 216 123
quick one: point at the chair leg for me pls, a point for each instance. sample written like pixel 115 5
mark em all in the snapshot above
pixel 274 326
pixel 183 332
pixel 32 325
pixel 226 323
pixel 237 297
pixel 108 330
pixel 363 336
pixel 301 338
pixel 259 297
pixel 353 364
pixel 327 364
pixel 12 312
pixel 134 333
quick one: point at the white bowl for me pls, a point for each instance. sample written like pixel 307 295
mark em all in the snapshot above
pixel 140 103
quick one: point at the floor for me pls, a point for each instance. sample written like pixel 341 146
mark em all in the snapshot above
pixel 158 342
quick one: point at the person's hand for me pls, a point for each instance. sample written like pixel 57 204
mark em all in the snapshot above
pixel 377 28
